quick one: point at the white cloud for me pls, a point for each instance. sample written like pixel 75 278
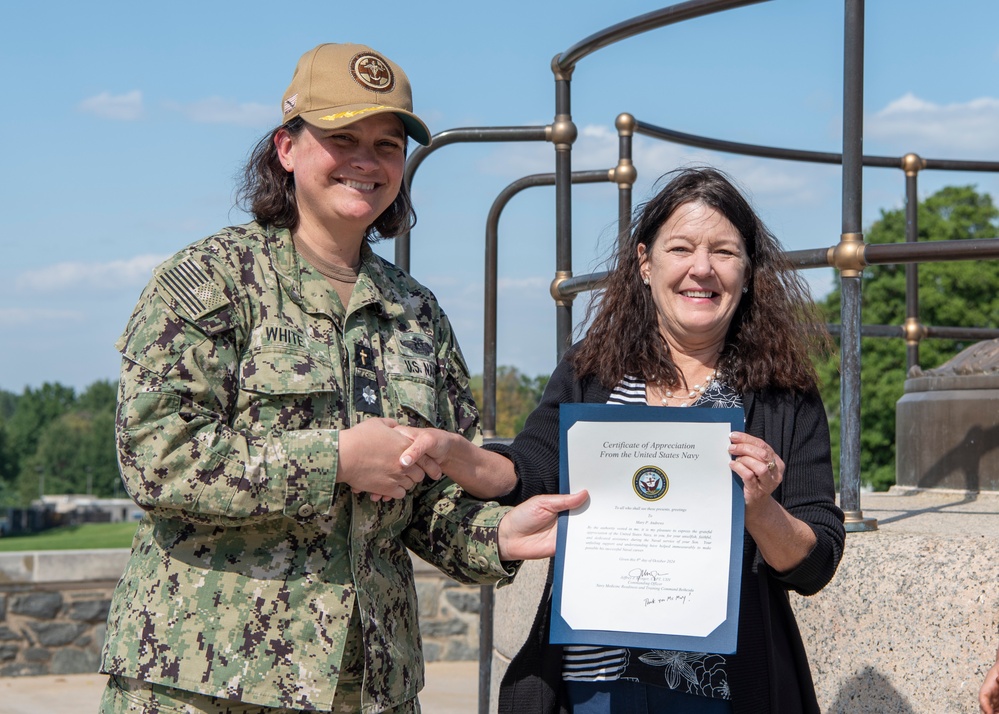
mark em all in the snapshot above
pixel 213 110
pixel 112 275
pixel 13 316
pixel 121 107
pixel 914 124
pixel 216 110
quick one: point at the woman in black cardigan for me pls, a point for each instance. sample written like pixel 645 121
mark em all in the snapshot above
pixel 700 309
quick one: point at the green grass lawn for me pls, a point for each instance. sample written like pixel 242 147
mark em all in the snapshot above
pixel 83 537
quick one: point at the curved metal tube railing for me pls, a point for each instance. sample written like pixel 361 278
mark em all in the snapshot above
pixel 811 157
pixel 458 136
pixel 489 329
pixel 643 23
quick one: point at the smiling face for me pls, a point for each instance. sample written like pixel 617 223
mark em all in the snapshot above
pixel 345 178
pixel 695 269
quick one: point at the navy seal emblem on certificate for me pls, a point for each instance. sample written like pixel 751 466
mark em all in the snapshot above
pixel 651 483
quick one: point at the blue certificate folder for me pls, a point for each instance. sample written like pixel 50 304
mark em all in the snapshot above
pixel 723 639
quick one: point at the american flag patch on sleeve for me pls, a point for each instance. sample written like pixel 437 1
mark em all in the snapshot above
pixel 192 289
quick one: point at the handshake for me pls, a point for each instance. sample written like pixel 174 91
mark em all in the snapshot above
pixel 386 460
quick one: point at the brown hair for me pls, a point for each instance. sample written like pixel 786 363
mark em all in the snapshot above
pixel 267 192
pixel 774 329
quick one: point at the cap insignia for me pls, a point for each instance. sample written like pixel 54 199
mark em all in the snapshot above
pixel 372 72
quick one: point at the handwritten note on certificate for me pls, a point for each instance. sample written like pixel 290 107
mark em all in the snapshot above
pixel 654 558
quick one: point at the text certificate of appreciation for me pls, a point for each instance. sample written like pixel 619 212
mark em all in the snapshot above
pixel 654 558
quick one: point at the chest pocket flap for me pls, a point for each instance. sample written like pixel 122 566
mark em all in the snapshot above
pixel 413 374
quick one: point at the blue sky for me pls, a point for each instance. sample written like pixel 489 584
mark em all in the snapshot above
pixel 127 123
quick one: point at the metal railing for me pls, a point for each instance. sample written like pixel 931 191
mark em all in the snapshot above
pixel 850 256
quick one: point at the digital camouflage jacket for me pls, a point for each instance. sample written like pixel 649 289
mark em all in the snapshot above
pixel 239 368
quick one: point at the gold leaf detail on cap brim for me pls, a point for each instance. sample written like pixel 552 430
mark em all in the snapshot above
pixel 346 115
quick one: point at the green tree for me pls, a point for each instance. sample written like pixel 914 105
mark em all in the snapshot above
pixel 958 294
pixel 101 396
pixel 8 403
pixel 516 396
pixel 8 467
pixel 33 411
pixel 56 442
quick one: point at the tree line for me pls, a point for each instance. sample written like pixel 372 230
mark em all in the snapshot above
pixel 53 440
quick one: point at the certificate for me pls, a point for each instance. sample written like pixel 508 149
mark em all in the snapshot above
pixel 654 558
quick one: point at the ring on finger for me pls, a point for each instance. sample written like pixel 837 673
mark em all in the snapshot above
pixel 771 465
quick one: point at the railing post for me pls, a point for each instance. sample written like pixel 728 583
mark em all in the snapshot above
pixel 853 166
pixel 625 173
pixel 914 330
pixel 563 136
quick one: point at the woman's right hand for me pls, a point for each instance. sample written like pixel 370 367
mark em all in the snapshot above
pixel 481 473
pixel 369 460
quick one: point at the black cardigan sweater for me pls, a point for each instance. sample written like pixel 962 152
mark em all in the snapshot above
pixel 769 673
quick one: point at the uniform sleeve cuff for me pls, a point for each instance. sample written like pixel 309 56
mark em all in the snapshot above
pixel 311 458
pixel 483 544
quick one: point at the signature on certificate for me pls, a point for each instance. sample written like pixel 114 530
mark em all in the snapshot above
pixel 641 575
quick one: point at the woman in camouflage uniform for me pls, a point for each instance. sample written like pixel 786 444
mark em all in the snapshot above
pixel 263 371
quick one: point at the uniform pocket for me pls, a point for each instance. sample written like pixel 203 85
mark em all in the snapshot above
pixel 416 398
pixel 285 370
pixel 288 389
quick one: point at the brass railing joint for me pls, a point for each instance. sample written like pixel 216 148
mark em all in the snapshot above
pixel 624 174
pixel 563 132
pixel 847 256
pixel 912 164
pixel 914 331
pixel 561 75
pixel 625 124
pixel 854 522
pixel 560 277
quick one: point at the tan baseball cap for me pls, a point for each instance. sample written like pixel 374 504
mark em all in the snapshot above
pixel 337 84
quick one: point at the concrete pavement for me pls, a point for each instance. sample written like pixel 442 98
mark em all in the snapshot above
pixel 452 688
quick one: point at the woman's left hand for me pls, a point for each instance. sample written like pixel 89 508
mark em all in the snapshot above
pixel 528 532
pixel 758 465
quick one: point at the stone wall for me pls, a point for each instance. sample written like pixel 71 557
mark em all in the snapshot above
pixel 54 606
pixel 449 615
pixel 52 631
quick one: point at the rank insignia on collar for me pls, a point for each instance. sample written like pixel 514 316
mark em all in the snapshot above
pixel 366 399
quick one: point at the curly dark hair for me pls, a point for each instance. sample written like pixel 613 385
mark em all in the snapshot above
pixel 774 330
pixel 267 192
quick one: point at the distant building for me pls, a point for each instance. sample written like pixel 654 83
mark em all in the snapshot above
pixel 73 508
